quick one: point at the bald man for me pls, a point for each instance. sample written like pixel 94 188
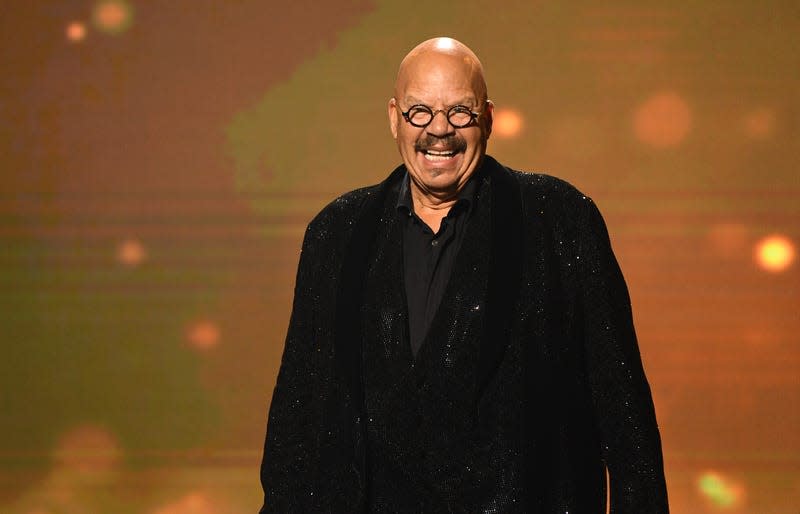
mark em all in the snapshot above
pixel 461 337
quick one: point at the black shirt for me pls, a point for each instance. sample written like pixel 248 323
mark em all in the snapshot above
pixel 428 258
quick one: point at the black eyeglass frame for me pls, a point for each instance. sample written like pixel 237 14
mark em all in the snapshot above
pixel 463 109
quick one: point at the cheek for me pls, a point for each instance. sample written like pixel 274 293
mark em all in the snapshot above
pixel 407 139
pixel 473 143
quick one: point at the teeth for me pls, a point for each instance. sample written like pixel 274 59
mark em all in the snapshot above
pixel 435 155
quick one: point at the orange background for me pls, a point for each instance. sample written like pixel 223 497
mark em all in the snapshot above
pixel 160 160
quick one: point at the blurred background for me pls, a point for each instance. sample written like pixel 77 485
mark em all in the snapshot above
pixel 159 161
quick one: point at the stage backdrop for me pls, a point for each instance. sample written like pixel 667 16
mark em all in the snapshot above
pixel 160 160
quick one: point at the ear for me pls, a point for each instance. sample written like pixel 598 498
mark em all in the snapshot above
pixel 487 116
pixel 393 116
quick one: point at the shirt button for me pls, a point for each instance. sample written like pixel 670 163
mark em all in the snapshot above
pixel 435 242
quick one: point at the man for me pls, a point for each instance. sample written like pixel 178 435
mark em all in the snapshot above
pixel 461 336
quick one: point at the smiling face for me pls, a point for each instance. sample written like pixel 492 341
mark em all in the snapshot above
pixel 440 159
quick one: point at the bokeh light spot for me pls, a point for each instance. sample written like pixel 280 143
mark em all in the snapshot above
pixel 775 253
pixel 76 31
pixel 760 123
pixel 203 334
pixel 192 503
pixel 131 252
pixel 719 490
pixel 663 120
pixel 507 123
pixel 112 16
pixel 88 452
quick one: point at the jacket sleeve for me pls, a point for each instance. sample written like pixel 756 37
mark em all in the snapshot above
pixel 624 411
pixel 290 469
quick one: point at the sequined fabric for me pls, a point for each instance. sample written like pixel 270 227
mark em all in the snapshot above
pixel 566 397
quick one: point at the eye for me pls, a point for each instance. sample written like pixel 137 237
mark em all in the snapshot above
pixel 417 109
pixel 419 113
pixel 459 115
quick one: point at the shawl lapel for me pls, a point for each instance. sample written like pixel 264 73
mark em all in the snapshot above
pixel 347 344
pixel 384 309
pixel 505 274
pixel 451 346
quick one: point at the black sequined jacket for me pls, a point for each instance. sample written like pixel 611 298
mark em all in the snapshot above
pixel 527 395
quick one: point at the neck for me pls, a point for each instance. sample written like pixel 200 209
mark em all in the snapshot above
pixel 432 203
pixel 431 208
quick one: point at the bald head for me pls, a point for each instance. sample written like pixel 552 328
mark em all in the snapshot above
pixel 441 52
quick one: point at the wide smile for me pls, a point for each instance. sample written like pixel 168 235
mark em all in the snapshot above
pixel 438 155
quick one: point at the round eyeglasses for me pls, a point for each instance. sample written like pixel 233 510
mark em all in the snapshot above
pixel 459 116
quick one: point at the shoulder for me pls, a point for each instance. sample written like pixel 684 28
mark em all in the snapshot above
pixel 330 230
pixel 570 214
pixel 333 226
pixel 548 187
pixel 546 193
pixel 328 234
pixel 343 210
pixel 560 208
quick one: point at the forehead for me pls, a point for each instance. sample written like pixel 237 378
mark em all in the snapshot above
pixel 441 79
pixel 433 100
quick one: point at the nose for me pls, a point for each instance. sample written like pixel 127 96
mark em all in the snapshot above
pixel 439 126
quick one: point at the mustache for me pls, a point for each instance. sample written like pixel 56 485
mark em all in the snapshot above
pixel 453 143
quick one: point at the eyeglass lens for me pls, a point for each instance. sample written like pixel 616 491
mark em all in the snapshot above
pixel 421 116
